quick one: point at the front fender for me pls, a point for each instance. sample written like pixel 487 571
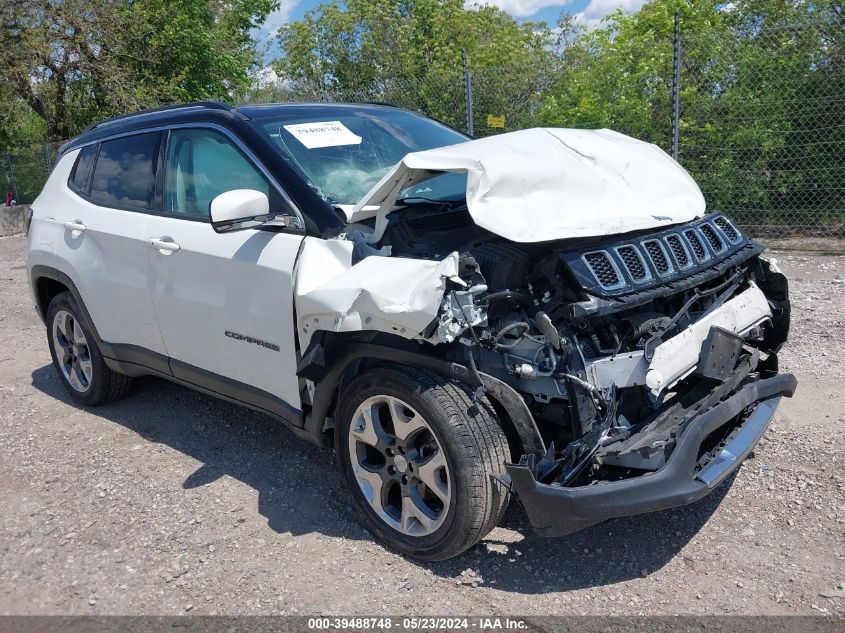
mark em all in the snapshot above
pixel 327 359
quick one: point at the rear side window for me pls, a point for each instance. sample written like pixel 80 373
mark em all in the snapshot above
pixel 82 168
pixel 125 172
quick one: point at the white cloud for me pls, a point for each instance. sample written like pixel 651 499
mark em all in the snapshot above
pixel 264 77
pixel 275 20
pixel 519 8
pixel 596 10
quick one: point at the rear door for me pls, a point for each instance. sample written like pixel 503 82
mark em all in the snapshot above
pixel 224 302
pixel 103 246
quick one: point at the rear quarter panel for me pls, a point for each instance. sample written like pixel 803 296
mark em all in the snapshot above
pixel 48 211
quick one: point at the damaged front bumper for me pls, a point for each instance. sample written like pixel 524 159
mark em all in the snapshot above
pixel 556 510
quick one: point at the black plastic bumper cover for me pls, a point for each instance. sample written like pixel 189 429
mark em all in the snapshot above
pixel 556 511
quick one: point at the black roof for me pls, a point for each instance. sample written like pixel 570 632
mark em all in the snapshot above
pixel 269 110
pixel 200 111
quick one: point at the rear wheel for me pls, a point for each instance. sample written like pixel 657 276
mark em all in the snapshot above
pixel 419 458
pixel 77 358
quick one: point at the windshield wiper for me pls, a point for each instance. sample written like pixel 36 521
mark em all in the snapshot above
pixel 417 200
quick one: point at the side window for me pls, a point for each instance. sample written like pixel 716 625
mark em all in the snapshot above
pixel 82 168
pixel 125 172
pixel 201 164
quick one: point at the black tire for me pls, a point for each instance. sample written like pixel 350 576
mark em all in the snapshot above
pixel 474 446
pixel 105 385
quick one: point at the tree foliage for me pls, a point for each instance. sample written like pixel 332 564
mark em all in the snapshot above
pixel 762 81
pixel 410 52
pixel 74 61
pixel 762 86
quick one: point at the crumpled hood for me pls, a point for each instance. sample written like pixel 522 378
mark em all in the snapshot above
pixel 551 183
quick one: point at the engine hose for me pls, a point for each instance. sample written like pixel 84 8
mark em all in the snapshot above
pixel 508 328
pixel 479 391
pixel 595 393
pixel 506 294
pixel 581 383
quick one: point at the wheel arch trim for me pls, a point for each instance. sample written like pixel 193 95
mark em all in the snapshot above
pixel 327 364
pixel 39 272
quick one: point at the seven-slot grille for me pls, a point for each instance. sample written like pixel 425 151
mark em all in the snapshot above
pixel 679 251
pixel 622 264
pixel 658 257
pixel 604 270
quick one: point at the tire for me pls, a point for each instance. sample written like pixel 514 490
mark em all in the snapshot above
pixel 464 501
pixel 77 358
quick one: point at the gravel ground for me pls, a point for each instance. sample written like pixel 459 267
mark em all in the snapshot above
pixel 170 502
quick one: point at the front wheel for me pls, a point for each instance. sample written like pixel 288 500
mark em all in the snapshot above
pixel 420 459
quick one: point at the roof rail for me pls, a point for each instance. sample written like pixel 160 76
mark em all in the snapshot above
pixel 213 105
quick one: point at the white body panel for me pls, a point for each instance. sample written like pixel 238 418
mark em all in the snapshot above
pixel 239 282
pixel 548 184
pixel 678 356
pixel 107 261
pixel 45 229
pixel 396 295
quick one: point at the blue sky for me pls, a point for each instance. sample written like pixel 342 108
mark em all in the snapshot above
pixel 587 11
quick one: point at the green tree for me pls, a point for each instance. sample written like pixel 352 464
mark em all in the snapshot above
pixel 409 52
pixel 768 142
pixel 620 75
pixel 19 126
pixel 74 61
pixel 761 88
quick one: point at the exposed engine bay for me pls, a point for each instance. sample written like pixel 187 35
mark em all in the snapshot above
pixel 613 343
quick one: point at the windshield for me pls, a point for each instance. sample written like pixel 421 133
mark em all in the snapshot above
pixel 343 151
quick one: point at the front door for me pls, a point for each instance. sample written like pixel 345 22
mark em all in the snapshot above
pixel 224 302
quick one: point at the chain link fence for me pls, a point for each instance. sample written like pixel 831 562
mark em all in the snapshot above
pixel 757 109
pixel 762 125
pixel 25 170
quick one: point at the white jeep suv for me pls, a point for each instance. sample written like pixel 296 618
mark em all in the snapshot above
pixel 548 314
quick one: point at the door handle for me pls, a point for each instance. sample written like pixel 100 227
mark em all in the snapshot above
pixel 76 228
pixel 164 245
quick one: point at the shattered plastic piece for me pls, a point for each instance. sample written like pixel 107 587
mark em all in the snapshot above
pixel 397 295
pixel 547 184
pixel 458 307
pixel 547 328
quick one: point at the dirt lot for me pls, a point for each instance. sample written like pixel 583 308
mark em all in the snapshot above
pixel 171 502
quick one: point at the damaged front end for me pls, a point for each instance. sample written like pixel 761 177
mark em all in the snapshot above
pixel 632 357
pixel 637 371
pixel 649 365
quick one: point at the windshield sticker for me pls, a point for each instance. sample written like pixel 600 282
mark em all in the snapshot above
pixel 323 134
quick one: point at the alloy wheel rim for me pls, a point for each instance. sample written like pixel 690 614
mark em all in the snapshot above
pixel 72 351
pixel 399 466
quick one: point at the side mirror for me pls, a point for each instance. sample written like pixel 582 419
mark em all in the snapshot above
pixel 241 209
